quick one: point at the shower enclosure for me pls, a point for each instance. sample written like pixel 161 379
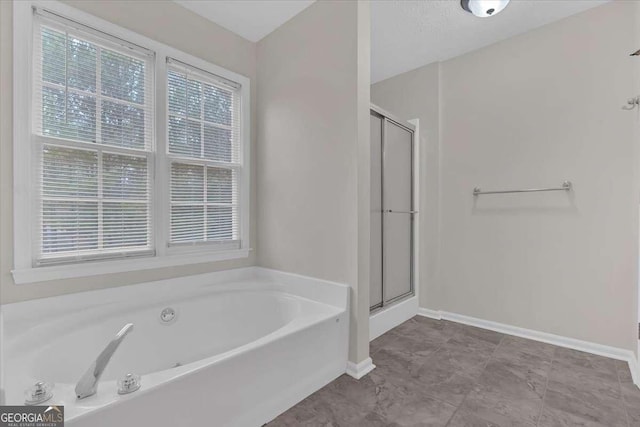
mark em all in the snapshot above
pixel 392 209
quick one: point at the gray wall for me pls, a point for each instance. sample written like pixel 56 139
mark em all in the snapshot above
pixel 532 111
pixel 160 20
pixel 313 128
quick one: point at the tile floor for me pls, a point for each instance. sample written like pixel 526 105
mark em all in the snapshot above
pixel 439 373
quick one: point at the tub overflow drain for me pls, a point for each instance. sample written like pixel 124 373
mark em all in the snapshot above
pixel 168 315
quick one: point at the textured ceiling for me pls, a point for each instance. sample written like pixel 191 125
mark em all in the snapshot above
pixel 406 34
pixel 251 19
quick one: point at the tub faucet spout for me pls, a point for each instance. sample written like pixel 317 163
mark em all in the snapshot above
pixel 88 384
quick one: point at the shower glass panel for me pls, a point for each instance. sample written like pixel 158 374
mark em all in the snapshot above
pixel 397 207
pixel 392 211
pixel 375 276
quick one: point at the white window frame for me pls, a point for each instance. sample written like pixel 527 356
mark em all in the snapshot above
pixel 25 175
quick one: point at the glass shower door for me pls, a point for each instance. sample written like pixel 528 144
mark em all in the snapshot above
pixel 375 276
pixel 391 266
pixel 397 207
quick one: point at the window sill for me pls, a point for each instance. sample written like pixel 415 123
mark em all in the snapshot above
pixel 87 269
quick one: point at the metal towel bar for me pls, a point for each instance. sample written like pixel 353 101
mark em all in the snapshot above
pixel 566 186
pixel 404 212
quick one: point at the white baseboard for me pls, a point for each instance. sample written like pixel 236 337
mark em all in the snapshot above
pixel 586 346
pixel 635 370
pixel 392 316
pixel 432 314
pixel 359 370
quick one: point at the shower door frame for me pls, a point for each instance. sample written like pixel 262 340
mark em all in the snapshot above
pixel 387 117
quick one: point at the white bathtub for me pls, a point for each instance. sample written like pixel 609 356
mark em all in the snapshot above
pixel 246 345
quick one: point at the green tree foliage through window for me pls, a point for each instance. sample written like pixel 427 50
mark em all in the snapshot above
pixel 92 200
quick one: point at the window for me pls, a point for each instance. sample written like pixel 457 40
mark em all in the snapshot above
pixel 92 130
pixel 204 153
pixel 129 154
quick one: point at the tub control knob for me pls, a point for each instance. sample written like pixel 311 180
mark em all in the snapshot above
pixel 40 392
pixel 128 384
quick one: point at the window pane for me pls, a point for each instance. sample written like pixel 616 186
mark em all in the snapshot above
pixel 122 76
pixel 220 223
pixel 69 173
pixel 53 56
pixel 187 223
pixel 71 118
pixel 81 117
pixel 69 226
pixel 193 138
pixel 184 137
pixel 124 177
pixel 53 112
pixel 217 144
pixel 125 225
pixel 177 134
pixel 187 183
pixel 220 185
pixel 123 125
pixel 194 99
pixel 81 65
pixel 177 85
pixel 217 105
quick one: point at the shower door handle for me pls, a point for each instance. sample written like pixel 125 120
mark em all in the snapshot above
pixel 402 212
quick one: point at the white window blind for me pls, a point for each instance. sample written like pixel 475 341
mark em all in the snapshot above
pixel 205 156
pixel 92 125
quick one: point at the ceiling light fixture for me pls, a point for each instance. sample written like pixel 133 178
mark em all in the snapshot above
pixel 484 8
